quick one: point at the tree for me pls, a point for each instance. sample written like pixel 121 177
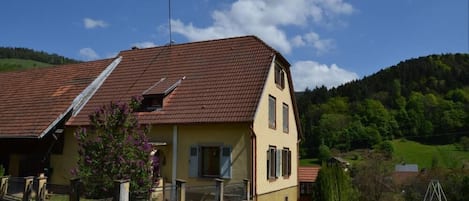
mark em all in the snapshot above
pixel 114 147
pixel 334 184
pixel 371 177
pixel 324 153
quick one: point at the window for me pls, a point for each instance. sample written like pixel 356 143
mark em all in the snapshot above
pixel 272 112
pixel 285 118
pixel 279 76
pixel 271 162
pixel 278 162
pixel 151 103
pixel 286 162
pixel 210 161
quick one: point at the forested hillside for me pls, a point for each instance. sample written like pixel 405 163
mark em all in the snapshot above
pixel 424 99
pixel 12 58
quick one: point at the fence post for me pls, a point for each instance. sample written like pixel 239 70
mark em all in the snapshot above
pixel 41 187
pixel 3 186
pixel 181 190
pixel 28 185
pixel 247 189
pixel 75 189
pixel 219 190
pixel 121 190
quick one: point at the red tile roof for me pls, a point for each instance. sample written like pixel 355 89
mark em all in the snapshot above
pixel 223 81
pixel 31 100
pixel 308 173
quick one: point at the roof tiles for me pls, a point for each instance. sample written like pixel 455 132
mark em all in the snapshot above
pixel 31 100
pixel 223 81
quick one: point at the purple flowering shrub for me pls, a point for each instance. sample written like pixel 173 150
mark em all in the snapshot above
pixel 113 148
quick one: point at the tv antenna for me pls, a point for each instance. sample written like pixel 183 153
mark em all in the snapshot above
pixel 169 23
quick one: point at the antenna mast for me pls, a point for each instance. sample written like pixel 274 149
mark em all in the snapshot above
pixel 169 22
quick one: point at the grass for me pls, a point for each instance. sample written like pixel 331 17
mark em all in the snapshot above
pixel 309 162
pixel 410 152
pixel 447 156
pixel 19 64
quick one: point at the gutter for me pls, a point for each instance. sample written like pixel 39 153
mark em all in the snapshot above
pixel 254 162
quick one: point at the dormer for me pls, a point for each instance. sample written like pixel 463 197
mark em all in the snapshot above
pixel 153 97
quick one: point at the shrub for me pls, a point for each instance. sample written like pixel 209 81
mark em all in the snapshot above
pixel 324 153
pixel 2 170
pixel 113 148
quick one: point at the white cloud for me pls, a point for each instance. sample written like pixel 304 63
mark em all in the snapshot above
pixel 267 19
pixel 312 39
pixel 88 54
pixel 312 74
pixel 145 44
pixel 91 23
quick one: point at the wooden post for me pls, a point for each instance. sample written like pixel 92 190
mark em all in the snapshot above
pixel 28 186
pixel 41 187
pixel 181 190
pixel 3 186
pixel 247 189
pixel 121 190
pixel 75 189
pixel 219 190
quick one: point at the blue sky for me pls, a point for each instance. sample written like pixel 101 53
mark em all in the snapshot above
pixel 328 42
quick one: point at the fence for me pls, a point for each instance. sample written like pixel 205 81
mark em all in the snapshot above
pixel 23 188
pixel 30 188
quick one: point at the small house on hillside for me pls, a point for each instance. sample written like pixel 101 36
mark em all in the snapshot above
pixel 403 173
pixel 217 109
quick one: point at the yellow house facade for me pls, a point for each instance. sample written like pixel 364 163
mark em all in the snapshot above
pixel 216 109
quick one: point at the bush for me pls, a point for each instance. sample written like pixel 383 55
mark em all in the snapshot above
pixel 2 170
pixel 385 148
pixel 464 143
pixel 324 153
pixel 113 149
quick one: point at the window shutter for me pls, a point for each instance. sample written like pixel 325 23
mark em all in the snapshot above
pixel 194 161
pixel 268 163
pixel 278 163
pixel 289 162
pixel 225 162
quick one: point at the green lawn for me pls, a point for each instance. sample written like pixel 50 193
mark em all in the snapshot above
pixel 410 152
pixel 448 156
pixel 19 64
pixel 309 162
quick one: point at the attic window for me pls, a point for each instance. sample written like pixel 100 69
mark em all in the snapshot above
pixel 151 103
pixel 153 97
pixel 279 76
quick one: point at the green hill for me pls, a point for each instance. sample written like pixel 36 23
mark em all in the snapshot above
pixel 20 64
pixel 424 99
pixel 16 58
pixel 445 156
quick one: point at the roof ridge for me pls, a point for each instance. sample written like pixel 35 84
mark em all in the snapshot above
pixel 204 41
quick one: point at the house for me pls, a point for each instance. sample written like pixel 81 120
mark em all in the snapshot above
pixel 307 176
pixel 404 173
pixel 217 109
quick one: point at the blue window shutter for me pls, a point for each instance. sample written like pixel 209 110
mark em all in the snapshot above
pixel 225 162
pixel 194 161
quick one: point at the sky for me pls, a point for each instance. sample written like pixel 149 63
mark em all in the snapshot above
pixel 327 42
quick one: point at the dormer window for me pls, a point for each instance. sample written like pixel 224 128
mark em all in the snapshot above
pixel 279 76
pixel 153 97
pixel 151 103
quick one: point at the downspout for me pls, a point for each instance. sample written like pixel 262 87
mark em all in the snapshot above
pixel 175 159
pixel 254 162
